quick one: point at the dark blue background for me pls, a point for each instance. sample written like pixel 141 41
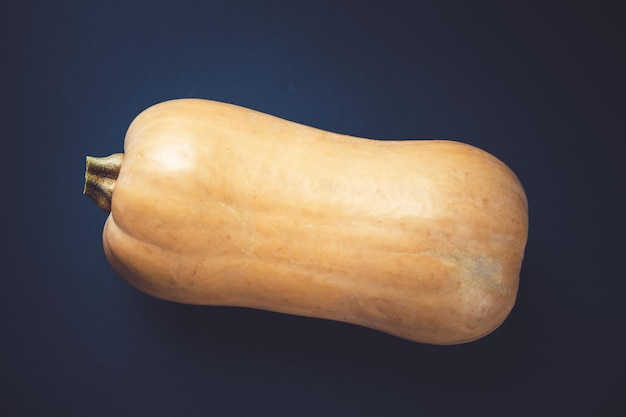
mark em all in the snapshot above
pixel 541 86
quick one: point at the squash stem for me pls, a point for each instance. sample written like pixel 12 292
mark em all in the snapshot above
pixel 100 177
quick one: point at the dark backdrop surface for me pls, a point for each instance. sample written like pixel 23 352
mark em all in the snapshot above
pixel 539 85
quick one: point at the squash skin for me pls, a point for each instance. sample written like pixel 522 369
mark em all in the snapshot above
pixel 216 204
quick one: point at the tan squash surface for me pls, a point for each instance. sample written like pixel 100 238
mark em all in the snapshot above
pixel 216 204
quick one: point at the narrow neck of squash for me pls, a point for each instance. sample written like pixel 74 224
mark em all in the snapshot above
pixel 100 177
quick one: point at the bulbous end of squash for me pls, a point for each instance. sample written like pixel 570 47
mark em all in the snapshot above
pixel 100 177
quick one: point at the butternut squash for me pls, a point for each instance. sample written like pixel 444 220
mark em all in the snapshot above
pixel 215 204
